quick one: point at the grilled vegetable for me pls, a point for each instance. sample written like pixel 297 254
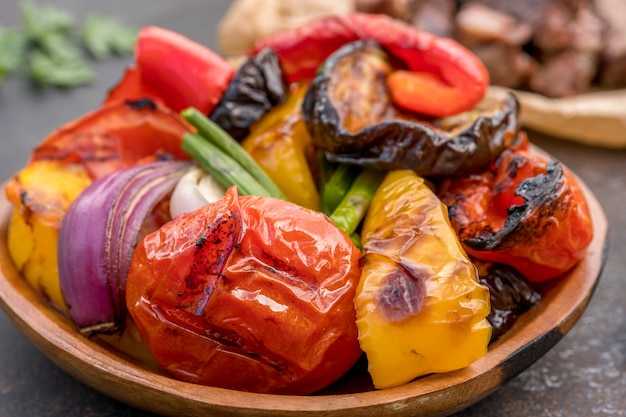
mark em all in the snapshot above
pixel 280 143
pixel 195 189
pixel 174 70
pixel 115 136
pixel 420 307
pixel 100 230
pixel 256 87
pixel 352 208
pixel 337 186
pixel 439 76
pixel 225 158
pixel 256 295
pixel 41 194
pixel 527 212
pixel 349 113
pixel 510 295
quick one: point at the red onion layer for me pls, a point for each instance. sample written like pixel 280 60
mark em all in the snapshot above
pixel 98 237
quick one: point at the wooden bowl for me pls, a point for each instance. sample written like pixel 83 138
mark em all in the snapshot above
pixel 146 387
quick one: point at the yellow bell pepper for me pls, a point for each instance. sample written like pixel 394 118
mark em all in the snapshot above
pixel 41 194
pixel 279 143
pixel 420 307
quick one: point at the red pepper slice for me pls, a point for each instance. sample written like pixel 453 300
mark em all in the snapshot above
pixel 117 135
pixel 441 77
pixel 175 69
pixel 527 212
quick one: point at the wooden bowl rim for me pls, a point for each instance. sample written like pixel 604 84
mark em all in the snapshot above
pixel 434 395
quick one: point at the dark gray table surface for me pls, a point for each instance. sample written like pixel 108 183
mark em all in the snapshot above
pixel 583 375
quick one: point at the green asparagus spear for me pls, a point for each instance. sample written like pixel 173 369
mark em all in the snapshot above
pixel 337 186
pixel 226 170
pixel 221 139
pixel 354 205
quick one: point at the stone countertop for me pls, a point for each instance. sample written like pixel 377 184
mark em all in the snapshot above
pixel 583 375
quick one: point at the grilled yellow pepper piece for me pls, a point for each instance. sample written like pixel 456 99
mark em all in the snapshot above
pixel 420 307
pixel 279 143
pixel 41 193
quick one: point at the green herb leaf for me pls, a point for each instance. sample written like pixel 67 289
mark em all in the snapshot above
pixel 104 36
pixel 58 62
pixel 59 47
pixel 54 70
pixel 47 46
pixel 12 49
pixel 41 20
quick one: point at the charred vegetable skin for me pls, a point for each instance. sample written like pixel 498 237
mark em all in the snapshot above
pixel 420 307
pixel 526 212
pixel 256 87
pixel 349 113
pixel 510 295
pixel 116 136
pixel 256 294
pixel 439 76
pixel 41 194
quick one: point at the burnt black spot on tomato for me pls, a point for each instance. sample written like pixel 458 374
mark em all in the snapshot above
pixel 401 296
pixel 215 246
pixel 142 104
pixel 171 331
pixel 211 252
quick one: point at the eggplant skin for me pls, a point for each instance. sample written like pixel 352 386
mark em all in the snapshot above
pixel 256 87
pixel 398 141
pixel 510 295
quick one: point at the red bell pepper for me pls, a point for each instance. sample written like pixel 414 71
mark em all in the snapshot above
pixel 117 135
pixel 440 78
pixel 176 70
pixel 527 212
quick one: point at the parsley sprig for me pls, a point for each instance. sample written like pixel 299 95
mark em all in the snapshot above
pixel 51 48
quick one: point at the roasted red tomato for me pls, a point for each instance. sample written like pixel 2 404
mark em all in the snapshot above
pixel 248 293
pixel 527 212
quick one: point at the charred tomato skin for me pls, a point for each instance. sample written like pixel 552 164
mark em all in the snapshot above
pixel 248 293
pixel 391 140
